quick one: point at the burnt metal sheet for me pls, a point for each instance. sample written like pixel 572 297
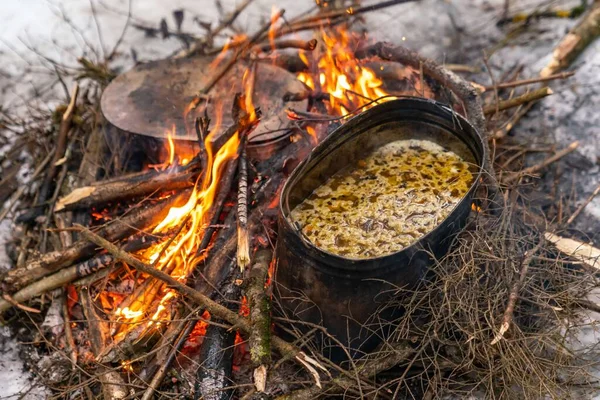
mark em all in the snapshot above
pixel 151 98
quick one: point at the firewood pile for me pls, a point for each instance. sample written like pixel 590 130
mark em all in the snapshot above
pixel 155 281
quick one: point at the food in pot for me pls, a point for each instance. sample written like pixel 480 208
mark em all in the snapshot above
pixel 386 201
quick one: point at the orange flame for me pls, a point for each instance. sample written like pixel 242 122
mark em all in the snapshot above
pixel 350 86
pixel 274 17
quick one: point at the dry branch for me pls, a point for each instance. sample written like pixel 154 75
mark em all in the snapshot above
pixel 536 168
pixel 514 294
pixel 523 82
pixel 307 45
pixel 579 209
pixel 72 273
pixel 399 352
pixel 136 186
pixel 519 100
pixel 575 42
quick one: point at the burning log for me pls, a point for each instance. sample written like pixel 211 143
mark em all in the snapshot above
pixel 70 274
pixel 126 188
pixel 286 349
pixel 213 377
pixel 113 386
pixel 309 45
pixel 139 219
pixel 260 317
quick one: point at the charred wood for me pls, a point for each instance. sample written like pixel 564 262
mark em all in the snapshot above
pixel 214 376
pixel 139 220
pixel 136 186
pixel 70 274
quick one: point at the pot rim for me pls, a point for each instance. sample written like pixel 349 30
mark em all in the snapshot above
pixel 407 102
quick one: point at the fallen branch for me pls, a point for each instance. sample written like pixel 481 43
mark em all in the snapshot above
pixel 517 101
pixel 536 168
pixel 575 42
pixel 514 294
pixel 260 317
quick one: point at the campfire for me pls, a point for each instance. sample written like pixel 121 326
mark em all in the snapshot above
pixel 164 268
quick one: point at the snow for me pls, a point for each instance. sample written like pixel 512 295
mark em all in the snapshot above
pixel 446 30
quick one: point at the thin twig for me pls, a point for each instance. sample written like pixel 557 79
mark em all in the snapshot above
pixel 583 205
pixel 538 167
pixel 523 82
pixel 517 101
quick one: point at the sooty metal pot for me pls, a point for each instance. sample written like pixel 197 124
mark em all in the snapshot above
pixel 346 296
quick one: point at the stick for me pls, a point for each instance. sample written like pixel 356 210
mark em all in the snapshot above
pixel 198 46
pixel 536 168
pixel 585 253
pixel 162 371
pixel 519 100
pixel 243 241
pixel 213 378
pixel 286 349
pixel 583 205
pixel 260 317
pixel 88 196
pixel 68 331
pixel 523 82
pixel 514 294
pixel 247 44
pixel 307 45
pixel 138 220
pixel 574 42
pixel 68 275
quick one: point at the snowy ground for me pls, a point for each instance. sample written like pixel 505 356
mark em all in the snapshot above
pixel 453 31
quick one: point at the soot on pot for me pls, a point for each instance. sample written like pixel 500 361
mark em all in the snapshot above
pixel 386 201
